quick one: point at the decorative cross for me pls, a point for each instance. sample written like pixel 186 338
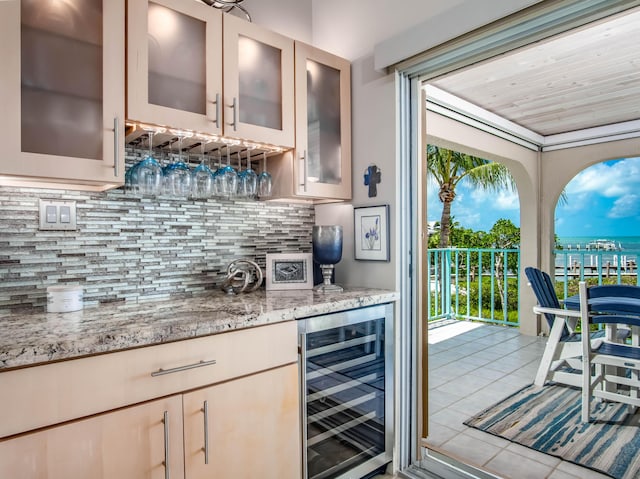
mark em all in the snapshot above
pixel 373 177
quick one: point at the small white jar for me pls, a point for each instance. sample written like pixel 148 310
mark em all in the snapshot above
pixel 63 299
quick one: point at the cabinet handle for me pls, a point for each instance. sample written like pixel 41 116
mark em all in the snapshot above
pixel 162 372
pixel 303 183
pixel 166 445
pixel 205 409
pixel 116 142
pixel 234 106
pixel 217 102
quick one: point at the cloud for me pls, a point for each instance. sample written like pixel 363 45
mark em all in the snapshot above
pixel 504 200
pixel 609 179
pixel 625 207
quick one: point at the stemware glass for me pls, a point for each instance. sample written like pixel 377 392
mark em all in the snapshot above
pixel 248 179
pixel 202 178
pixel 146 175
pixel 177 174
pixel 264 179
pixel 227 178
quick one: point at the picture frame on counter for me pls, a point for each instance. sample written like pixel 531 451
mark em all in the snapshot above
pixel 289 271
pixel 371 233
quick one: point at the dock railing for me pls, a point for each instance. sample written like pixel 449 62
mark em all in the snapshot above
pixel 483 284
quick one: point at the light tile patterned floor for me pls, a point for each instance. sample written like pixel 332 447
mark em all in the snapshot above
pixel 471 367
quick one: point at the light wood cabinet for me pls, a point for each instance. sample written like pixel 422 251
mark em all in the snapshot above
pixel 258 83
pixel 174 64
pixel 320 167
pixel 126 444
pixel 114 416
pixel 62 93
pixel 178 76
pixel 251 428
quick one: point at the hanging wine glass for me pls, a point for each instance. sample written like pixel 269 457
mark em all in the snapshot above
pixel 202 178
pixel 264 179
pixel 177 174
pixel 248 179
pixel 146 178
pixel 227 178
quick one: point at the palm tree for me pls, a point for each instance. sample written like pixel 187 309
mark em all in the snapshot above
pixel 450 167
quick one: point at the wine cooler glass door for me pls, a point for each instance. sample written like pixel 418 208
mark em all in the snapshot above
pixel 345 375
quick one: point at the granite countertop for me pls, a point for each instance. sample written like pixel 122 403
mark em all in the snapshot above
pixel 32 338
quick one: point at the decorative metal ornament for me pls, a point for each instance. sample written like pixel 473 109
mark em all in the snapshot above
pixel 243 276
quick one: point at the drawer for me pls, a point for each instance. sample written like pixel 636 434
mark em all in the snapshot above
pixel 52 393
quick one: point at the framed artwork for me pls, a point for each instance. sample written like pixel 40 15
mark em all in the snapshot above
pixel 371 229
pixel 289 271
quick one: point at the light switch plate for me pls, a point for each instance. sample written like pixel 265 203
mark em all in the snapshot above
pixel 57 215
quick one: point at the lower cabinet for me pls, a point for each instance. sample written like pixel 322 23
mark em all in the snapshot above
pixel 127 444
pixel 252 429
pixel 244 428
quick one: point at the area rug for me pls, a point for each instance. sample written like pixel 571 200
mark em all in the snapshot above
pixel 548 420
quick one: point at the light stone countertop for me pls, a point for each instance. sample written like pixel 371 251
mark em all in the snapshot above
pixel 32 338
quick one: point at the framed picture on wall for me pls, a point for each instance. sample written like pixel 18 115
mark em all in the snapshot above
pixel 289 271
pixel 371 231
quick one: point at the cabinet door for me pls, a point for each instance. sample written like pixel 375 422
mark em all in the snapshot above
pixel 258 83
pixel 174 59
pixel 62 93
pixel 323 124
pixel 126 444
pixel 251 428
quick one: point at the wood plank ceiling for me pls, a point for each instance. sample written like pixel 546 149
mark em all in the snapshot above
pixel 586 78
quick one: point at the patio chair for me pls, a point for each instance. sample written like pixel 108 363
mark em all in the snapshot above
pixel 562 358
pixel 562 355
pixel 610 369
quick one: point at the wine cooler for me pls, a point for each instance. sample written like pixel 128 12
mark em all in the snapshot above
pixel 346 368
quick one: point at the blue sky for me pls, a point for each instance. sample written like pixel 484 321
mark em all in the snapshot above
pixel 602 200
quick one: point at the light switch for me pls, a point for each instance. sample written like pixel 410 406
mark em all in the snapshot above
pixel 65 214
pixel 52 214
pixel 57 215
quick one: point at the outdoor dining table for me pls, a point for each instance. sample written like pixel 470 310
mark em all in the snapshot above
pixel 618 300
pixel 607 304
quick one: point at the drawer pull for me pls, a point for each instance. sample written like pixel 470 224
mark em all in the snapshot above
pixel 162 372
pixel 206 431
pixel 166 444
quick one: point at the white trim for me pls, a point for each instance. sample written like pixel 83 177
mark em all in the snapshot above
pixel 440 97
pixel 451 106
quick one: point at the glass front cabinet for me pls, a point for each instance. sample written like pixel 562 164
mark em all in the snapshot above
pixel 174 61
pixel 323 124
pixel 62 94
pixel 320 167
pixel 178 76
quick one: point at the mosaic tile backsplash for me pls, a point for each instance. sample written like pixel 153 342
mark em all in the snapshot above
pixel 137 249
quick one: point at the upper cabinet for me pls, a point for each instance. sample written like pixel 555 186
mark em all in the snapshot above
pixel 258 83
pixel 174 61
pixel 177 76
pixel 62 93
pixel 320 167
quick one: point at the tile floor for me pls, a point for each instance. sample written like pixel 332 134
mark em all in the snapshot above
pixel 471 367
